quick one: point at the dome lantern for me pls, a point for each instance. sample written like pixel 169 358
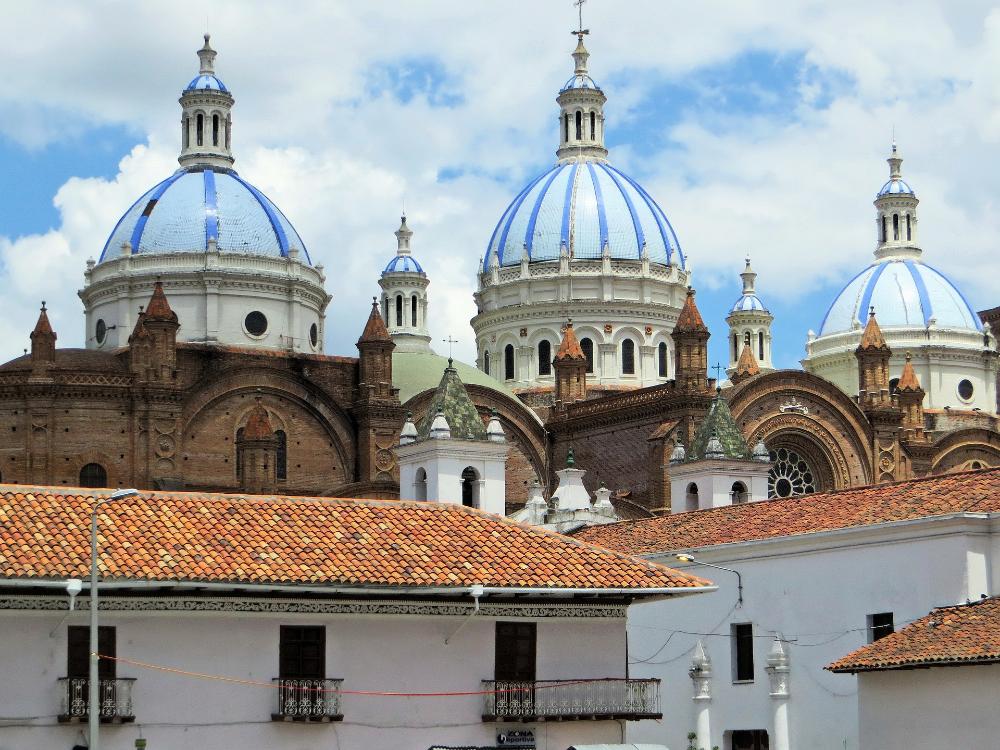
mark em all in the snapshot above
pixel 206 119
pixel 581 112
pixel 404 296
pixel 896 218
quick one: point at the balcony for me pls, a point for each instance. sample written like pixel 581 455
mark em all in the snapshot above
pixel 115 699
pixel 566 700
pixel 307 700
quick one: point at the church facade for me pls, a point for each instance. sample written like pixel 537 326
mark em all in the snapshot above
pixel 204 366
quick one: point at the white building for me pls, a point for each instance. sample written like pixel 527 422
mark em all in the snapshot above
pixel 812 578
pixel 235 270
pixel 919 310
pixel 451 457
pixel 582 241
pixel 287 623
pixel 932 684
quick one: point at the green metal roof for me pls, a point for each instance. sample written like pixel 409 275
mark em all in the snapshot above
pixel 719 421
pixel 452 400
pixel 415 372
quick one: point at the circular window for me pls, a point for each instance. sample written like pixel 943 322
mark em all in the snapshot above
pixel 100 331
pixel 965 390
pixel 789 475
pixel 313 334
pixel 256 323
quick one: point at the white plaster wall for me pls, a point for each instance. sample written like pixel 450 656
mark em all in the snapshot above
pixel 715 481
pixel 444 461
pixel 818 594
pixel 211 293
pixel 930 709
pixel 368 652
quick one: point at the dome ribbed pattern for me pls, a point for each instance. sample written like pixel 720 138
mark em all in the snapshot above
pixel 403 264
pixel 582 206
pixel 206 82
pixel 748 303
pixel 193 206
pixel 904 293
pixel 896 187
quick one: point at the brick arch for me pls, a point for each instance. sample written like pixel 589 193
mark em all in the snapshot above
pixel 525 434
pixel 800 409
pixel 957 450
pixel 331 418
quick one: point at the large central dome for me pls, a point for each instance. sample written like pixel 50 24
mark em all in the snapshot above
pixel 581 207
pixel 197 205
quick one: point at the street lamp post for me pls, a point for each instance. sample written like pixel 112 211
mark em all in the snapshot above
pixel 93 688
pixel 683 557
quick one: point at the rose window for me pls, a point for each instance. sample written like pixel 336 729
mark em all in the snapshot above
pixel 789 475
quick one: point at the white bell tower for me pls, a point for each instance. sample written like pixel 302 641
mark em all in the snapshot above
pixel 404 296
pixel 206 119
pixel 749 325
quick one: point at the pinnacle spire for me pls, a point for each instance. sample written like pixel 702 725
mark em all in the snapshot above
pixel 689 318
pixel 747 365
pixel 570 346
pixel 908 382
pixel 43 327
pixel 895 162
pixel 258 426
pixel 749 277
pixel 158 307
pixel 403 235
pixel 375 330
pixel 872 337
pixel 206 55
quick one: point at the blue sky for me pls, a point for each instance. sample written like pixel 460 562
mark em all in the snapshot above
pixel 759 128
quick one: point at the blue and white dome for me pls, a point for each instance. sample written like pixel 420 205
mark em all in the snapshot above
pixel 905 294
pixel 748 303
pixel 580 81
pixel 196 205
pixel 583 206
pixel 206 82
pixel 403 264
pixel 896 187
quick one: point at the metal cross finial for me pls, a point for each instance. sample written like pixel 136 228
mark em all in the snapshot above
pixel 718 371
pixel 450 341
pixel 580 30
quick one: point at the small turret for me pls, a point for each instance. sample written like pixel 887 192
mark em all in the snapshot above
pixel 257 450
pixel 581 111
pixel 206 119
pixel 873 365
pixel 896 214
pixel 375 365
pixel 690 337
pixel 570 365
pixel 404 296
pixel 749 326
pixel 43 341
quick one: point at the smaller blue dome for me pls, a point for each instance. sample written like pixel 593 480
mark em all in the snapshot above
pixel 209 82
pixel 582 81
pixel 403 264
pixel 896 187
pixel 748 303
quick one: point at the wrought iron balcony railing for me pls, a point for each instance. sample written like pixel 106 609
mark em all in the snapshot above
pixel 307 700
pixel 115 698
pixel 563 700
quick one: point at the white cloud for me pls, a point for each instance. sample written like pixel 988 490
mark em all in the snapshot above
pixel 792 187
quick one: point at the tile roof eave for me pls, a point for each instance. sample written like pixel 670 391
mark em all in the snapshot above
pixel 922 664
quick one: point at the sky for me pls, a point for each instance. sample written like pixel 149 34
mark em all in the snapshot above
pixel 759 126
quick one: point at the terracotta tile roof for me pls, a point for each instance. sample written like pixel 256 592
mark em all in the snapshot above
pixel 908 380
pixel 964 634
pixel 872 337
pixel 689 318
pixel 258 426
pixel 570 346
pixel 375 329
pixel 44 533
pixel 158 307
pixel 970 491
pixel 747 364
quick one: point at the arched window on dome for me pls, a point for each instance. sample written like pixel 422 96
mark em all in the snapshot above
pixel 579 125
pixel 200 129
pixel 215 130
pixel 413 311
pixel 760 346
pixel 588 351
pixel 385 310
pixel 593 126
pixel 736 347
pixel 895 226
pixel 885 235
pixel 628 357
pixel 909 234
pixel 187 132
pixel 508 362
pixel 486 362
pixel 544 357
pixel 661 359
pixel 566 128
pixel 399 309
